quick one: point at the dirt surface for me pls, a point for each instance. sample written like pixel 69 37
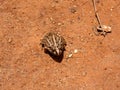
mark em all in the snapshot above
pixel 90 62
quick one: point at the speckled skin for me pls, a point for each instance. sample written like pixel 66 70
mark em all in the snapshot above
pixel 53 43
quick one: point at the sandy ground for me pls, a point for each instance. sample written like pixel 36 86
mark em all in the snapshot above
pixel 25 66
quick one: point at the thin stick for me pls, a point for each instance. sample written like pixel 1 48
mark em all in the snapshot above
pixel 96 14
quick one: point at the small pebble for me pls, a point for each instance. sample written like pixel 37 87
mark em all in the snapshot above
pixel 59 24
pixel 75 51
pixel 82 39
pixel 73 10
pixel 9 40
pixel 70 55
pixel 84 73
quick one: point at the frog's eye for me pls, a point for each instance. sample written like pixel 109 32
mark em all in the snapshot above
pixel 43 45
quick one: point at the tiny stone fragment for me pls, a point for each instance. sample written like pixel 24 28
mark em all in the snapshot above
pixel 75 51
pixel 9 40
pixel 70 55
